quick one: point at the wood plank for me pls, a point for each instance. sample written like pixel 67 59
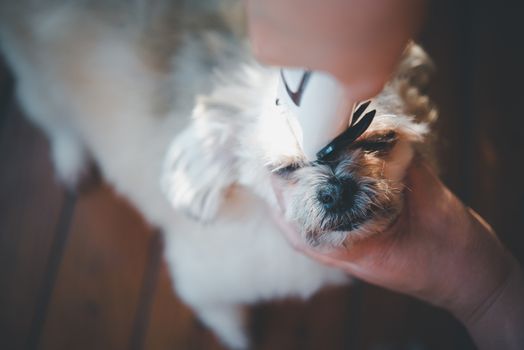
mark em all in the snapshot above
pixel 319 323
pixel 98 287
pixel 383 319
pixel 329 320
pixel 280 325
pixel 147 292
pixel 30 207
pixel 6 91
pixel 51 271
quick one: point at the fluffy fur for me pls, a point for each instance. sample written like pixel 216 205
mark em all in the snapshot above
pixel 167 101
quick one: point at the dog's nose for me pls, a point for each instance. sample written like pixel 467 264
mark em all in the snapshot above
pixel 337 194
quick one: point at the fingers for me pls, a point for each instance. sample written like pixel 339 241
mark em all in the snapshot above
pixel 357 41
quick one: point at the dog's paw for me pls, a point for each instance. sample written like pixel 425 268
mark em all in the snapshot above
pixel 198 172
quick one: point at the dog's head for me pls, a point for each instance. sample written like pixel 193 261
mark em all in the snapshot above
pixel 358 191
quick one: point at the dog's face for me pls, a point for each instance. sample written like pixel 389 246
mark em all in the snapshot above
pixel 358 191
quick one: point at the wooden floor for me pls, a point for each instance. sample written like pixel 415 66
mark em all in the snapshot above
pixel 83 271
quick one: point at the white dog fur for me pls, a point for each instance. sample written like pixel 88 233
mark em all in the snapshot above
pixel 175 120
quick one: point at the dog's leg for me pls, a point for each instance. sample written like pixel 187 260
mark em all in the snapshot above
pixel 69 156
pixel 227 321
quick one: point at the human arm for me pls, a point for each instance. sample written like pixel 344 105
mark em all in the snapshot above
pixel 442 252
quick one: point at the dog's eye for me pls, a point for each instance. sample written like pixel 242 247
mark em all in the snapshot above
pixel 288 170
pixel 377 143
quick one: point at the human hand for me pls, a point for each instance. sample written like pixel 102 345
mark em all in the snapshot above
pixel 357 41
pixel 438 250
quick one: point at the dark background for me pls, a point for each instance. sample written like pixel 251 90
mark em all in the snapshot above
pixel 84 271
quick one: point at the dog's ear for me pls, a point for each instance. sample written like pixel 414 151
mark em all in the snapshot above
pixel 416 67
pixel 205 160
pixel 411 81
pixel 200 168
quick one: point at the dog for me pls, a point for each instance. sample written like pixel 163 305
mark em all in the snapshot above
pixel 166 99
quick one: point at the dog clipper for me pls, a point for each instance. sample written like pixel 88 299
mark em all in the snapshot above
pixel 318 103
pixel 320 106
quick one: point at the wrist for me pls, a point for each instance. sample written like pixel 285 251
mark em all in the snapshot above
pixel 480 292
pixel 475 271
pixel 497 323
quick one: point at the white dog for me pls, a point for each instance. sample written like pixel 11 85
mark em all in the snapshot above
pixel 168 103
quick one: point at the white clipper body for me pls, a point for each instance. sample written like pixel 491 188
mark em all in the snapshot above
pixel 319 104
